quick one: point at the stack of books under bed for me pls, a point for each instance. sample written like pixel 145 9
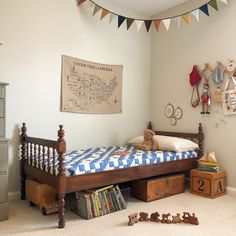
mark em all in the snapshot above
pixel 98 202
pixel 208 163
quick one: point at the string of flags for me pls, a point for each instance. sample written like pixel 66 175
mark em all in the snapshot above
pixel 155 22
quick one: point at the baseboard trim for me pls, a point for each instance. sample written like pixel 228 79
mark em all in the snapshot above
pixel 14 196
pixel 231 191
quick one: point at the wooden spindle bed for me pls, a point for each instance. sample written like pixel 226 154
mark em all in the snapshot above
pixel 32 149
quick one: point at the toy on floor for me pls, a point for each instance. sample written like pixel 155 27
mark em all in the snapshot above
pixel 133 218
pixel 190 219
pixel 176 219
pixel 43 196
pixel 165 218
pixel 143 216
pixel 154 217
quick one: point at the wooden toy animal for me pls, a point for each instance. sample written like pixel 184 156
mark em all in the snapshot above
pixel 154 217
pixel 190 219
pixel 143 216
pixel 165 218
pixel 176 219
pixel 133 218
pixel 193 220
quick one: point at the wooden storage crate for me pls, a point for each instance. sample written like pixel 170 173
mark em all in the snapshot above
pixel 208 184
pixel 159 187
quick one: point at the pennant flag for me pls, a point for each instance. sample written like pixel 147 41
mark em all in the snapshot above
pixel 112 17
pixel 157 24
pixel 196 14
pixel 121 19
pixel 186 17
pixel 148 24
pixel 166 23
pixel 129 22
pixel 177 20
pixel 204 9
pixel 224 1
pixel 104 13
pixel 139 24
pixel 96 9
pixel 79 2
pixel 213 3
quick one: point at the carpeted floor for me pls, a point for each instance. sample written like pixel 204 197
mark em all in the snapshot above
pixel 216 217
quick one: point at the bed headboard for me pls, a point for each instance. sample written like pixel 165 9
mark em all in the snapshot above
pixel 195 137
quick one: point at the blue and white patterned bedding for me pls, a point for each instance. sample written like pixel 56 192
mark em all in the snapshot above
pixel 94 160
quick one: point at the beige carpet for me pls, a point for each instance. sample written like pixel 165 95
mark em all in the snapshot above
pixel 216 217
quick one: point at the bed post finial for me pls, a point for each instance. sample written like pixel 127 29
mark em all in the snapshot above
pixel 61 187
pixel 61 148
pixel 150 125
pixel 200 138
pixel 23 159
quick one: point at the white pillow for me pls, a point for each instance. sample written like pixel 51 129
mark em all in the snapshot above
pixel 136 140
pixel 167 143
pixel 175 144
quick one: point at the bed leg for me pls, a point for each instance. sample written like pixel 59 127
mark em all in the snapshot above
pixel 61 213
pixel 22 187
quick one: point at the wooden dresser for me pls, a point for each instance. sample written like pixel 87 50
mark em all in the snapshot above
pixel 3 155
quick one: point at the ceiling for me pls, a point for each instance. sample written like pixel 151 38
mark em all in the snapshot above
pixel 148 7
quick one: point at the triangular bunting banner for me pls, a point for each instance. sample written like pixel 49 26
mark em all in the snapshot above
pixel 186 17
pixel 166 23
pixel 79 2
pixel 104 13
pixel 121 19
pixel 195 13
pixel 129 22
pixel 204 9
pixel 148 24
pixel 112 17
pixel 96 9
pixel 177 20
pixel 224 1
pixel 213 3
pixel 139 24
pixel 157 24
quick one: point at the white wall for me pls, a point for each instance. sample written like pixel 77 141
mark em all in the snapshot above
pixel 35 34
pixel 173 55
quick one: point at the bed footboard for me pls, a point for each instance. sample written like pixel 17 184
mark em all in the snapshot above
pixel 42 160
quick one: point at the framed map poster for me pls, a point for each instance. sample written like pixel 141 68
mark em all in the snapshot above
pixel 89 87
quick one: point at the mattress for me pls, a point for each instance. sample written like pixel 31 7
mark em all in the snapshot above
pixel 93 160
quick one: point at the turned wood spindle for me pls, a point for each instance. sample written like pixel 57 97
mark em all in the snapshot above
pixel 35 155
pixel 23 137
pixel 61 149
pixel 53 161
pixel 49 166
pixel 201 138
pixel 44 158
pixel 31 154
pixel 39 156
